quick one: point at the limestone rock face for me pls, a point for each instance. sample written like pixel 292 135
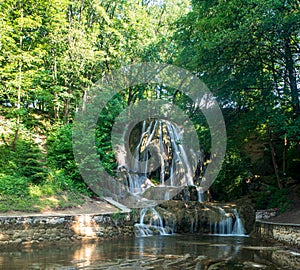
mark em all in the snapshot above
pixel 196 217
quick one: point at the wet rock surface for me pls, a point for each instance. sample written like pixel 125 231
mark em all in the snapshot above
pixel 192 216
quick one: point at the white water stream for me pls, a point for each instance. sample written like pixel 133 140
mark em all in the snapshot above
pixel 160 154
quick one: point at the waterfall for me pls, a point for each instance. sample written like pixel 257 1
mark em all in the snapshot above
pixel 238 228
pixel 167 195
pixel 179 160
pixel 154 226
pixel 162 161
pixel 200 194
pixel 225 225
pixel 160 142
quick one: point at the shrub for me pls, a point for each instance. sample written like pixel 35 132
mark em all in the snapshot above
pixel 13 185
pixel 231 181
pixel 272 197
pixel 60 153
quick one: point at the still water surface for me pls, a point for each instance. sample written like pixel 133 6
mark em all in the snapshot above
pixel 157 252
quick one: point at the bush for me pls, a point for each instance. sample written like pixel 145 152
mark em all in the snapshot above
pixel 231 181
pixel 31 164
pixel 60 153
pixel 13 185
pixel 25 161
pixel 272 197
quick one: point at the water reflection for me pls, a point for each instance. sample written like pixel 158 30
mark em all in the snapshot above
pixel 193 250
pixel 215 247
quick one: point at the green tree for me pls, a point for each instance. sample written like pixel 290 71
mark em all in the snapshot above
pixel 247 51
pixel 21 55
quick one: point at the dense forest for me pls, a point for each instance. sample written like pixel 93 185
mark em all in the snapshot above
pixel 52 52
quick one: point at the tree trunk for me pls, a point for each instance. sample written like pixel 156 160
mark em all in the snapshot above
pixel 66 110
pixel 67 104
pixel 14 143
pixel 56 107
pixel 273 155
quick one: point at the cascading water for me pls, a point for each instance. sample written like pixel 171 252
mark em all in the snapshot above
pixel 238 228
pixel 227 225
pixel 200 194
pixel 154 226
pixel 159 139
pixel 159 161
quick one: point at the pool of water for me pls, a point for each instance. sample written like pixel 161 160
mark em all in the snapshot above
pixel 157 252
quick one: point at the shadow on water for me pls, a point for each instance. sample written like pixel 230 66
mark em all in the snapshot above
pixel 156 252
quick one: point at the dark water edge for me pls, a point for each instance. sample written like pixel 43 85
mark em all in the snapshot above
pixel 156 252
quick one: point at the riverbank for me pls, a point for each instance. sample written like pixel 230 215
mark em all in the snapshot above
pixel 87 206
pixel 281 227
pixel 98 219
pixel 95 220
pixel 286 233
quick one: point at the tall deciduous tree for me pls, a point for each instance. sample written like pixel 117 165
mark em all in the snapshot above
pixel 21 54
pixel 248 53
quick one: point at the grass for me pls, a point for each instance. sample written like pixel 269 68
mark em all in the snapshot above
pixel 19 193
pixel 40 203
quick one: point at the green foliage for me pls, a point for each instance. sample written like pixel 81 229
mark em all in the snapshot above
pixel 64 173
pixel 26 161
pixel 231 182
pixel 118 217
pixel 13 185
pixel 272 197
pixel 293 161
pixel 31 164
pixel 60 152
pixel 245 52
pixel 104 130
pixel 51 53
pixel 38 200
